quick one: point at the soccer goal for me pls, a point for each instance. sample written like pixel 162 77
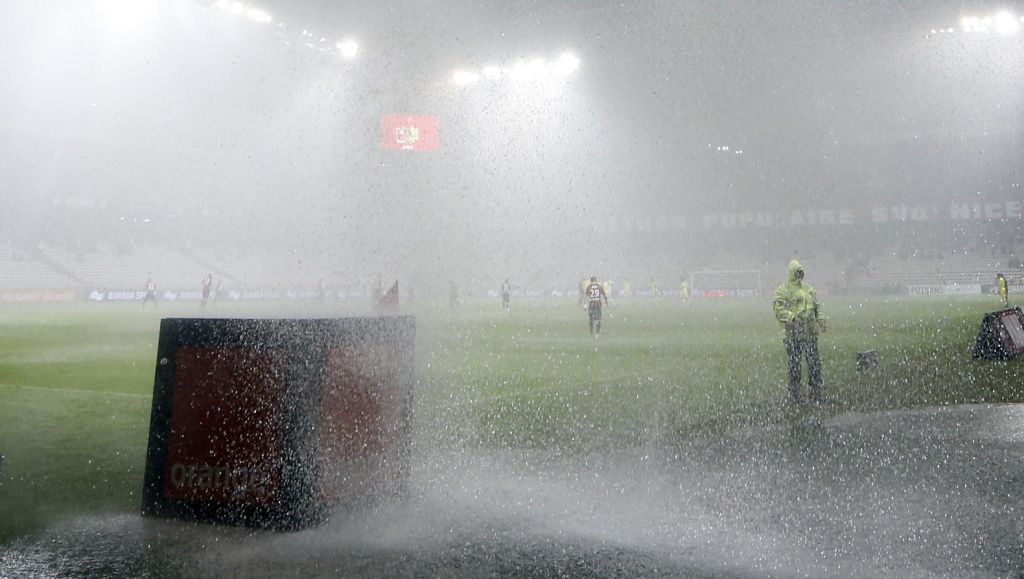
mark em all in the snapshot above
pixel 744 283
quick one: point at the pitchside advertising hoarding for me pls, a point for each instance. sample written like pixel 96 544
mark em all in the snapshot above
pixel 37 296
pixel 131 295
pixel 273 423
pixel 969 289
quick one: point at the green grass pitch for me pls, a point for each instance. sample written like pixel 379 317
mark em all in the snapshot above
pixel 76 381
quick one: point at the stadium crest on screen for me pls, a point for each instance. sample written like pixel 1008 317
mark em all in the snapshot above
pixel 409 133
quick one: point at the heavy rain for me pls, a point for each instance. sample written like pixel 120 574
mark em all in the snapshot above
pixel 575 288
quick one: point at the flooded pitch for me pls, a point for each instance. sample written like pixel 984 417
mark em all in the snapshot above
pixel 925 493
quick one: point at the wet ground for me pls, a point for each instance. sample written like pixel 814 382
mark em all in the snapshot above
pixel 925 493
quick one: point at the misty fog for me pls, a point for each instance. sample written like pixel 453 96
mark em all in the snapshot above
pixel 685 126
pixel 281 151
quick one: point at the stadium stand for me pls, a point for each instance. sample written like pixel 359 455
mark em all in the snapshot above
pixel 108 268
pixel 20 270
pixel 954 269
pixel 266 268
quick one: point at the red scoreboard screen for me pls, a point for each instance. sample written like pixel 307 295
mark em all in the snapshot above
pixel 409 133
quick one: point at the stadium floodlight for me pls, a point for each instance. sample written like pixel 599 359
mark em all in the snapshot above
pixel 128 14
pixel 566 64
pixel 975 24
pixel 538 68
pixel 258 15
pixel 519 71
pixel 464 77
pixel 1006 23
pixel 523 71
pixel 348 48
pixel 237 7
pixel 528 71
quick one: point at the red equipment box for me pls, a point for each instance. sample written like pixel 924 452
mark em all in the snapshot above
pixel 1001 336
pixel 274 423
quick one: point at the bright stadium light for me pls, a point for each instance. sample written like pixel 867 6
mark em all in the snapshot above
pixel 348 48
pixel 523 71
pixel 237 7
pixel 128 14
pixel 519 71
pixel 528 71
pixel 1006 23
pixel 464 77
pixel 566 64
pixel 258 15
pixel 538 68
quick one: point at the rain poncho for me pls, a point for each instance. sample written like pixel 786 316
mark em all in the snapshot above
pixel 796 304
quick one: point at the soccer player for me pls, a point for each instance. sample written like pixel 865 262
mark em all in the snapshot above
pixel 506 295
pixel 684 290
pixel 1003 289
pixel 150 293
pixel 796 308
pixel 207 283
pixel 595 294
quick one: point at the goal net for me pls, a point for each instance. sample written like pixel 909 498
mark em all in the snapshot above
pixel 722 284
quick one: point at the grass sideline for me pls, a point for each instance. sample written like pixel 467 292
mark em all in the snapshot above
pixel 76 381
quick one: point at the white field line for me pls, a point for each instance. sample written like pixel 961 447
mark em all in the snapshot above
pixel 74 391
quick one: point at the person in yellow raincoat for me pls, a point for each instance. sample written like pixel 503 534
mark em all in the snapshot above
pixel 1004 290
pixel 796 307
